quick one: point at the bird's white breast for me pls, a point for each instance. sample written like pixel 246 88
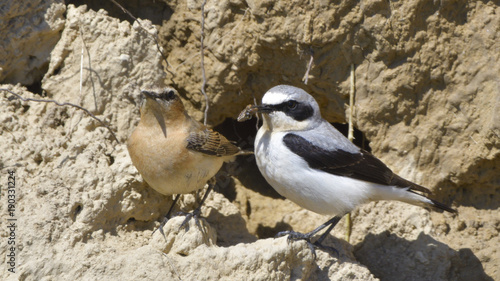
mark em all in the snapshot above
pixel 314 190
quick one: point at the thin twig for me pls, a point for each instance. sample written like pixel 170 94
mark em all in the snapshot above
pixel 153 36
pixel 81 65
pixel 309 66
pixel 84 46
pixel 350 136
pixel 125 11
pixel 63 104
pixel 257 115
pixel 207 48
pixel 172 266
pixel 498 136
pixel 207 105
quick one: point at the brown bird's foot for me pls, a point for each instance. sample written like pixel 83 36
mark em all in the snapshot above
pixel 294 236
pixel 196 215
pixel 167 216
pixel 162 224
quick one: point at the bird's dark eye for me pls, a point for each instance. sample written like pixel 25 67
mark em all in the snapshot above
pixel 291 104
pixel 168 95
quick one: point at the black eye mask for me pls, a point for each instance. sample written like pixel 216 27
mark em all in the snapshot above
pixel 297 110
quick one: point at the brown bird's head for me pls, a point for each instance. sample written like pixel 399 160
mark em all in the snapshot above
pixel 162 103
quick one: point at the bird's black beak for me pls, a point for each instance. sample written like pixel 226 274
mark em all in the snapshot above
pixel 263 108
pixel 150 94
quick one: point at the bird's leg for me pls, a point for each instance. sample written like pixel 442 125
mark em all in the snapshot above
pixel 196 213
pixel 292 235
pixel 318 242
pixel 167 216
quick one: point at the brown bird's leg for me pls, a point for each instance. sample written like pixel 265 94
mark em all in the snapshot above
pixel 167 216
pixel 196 213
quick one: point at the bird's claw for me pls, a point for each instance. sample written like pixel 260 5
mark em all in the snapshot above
pixel 162 224
pixel 329 249
pixel 294 236
pixel 196 215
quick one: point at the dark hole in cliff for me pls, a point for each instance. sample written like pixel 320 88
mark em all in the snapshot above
pixel 245 168
pixel 38 158
pixel 57 71
pixel 111 159
pixel 36 88
pixel 249 208
pixel 76 210
pixel 359 138
pixel 25 108
pixel 155 11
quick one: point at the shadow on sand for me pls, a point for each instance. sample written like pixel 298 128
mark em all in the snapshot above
pixel 390 257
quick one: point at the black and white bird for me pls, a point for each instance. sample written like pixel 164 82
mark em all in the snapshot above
pixel 312 164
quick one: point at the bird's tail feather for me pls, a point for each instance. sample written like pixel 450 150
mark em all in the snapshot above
pixel 442 206
pixel 427 202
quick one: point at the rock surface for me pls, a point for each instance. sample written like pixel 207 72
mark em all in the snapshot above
pixel 428 93
pixel 29 31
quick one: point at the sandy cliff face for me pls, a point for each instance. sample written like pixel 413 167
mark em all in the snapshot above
pixel 427 100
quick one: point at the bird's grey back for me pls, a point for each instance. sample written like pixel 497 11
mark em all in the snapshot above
pixel 328 138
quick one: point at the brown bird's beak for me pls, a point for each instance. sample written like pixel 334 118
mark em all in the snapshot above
pixel 150 94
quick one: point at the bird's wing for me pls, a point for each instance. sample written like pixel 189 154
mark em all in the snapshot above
pixel 212 143
pixel 361 165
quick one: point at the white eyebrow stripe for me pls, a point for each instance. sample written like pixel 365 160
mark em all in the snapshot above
pixel 275 98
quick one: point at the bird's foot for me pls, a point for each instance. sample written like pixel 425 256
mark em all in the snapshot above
pixel 162 224
pixel 196 215
pixel 167 216
pixel 327 249
pixel 294 236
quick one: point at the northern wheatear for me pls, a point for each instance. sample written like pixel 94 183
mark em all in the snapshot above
pixel 174 153
pixel 311 163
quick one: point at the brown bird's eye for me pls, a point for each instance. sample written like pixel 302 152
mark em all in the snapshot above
pixel 167 95
pixel 170 95
pixel 291 104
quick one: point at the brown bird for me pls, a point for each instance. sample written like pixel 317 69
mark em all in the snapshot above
pixel 174 153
